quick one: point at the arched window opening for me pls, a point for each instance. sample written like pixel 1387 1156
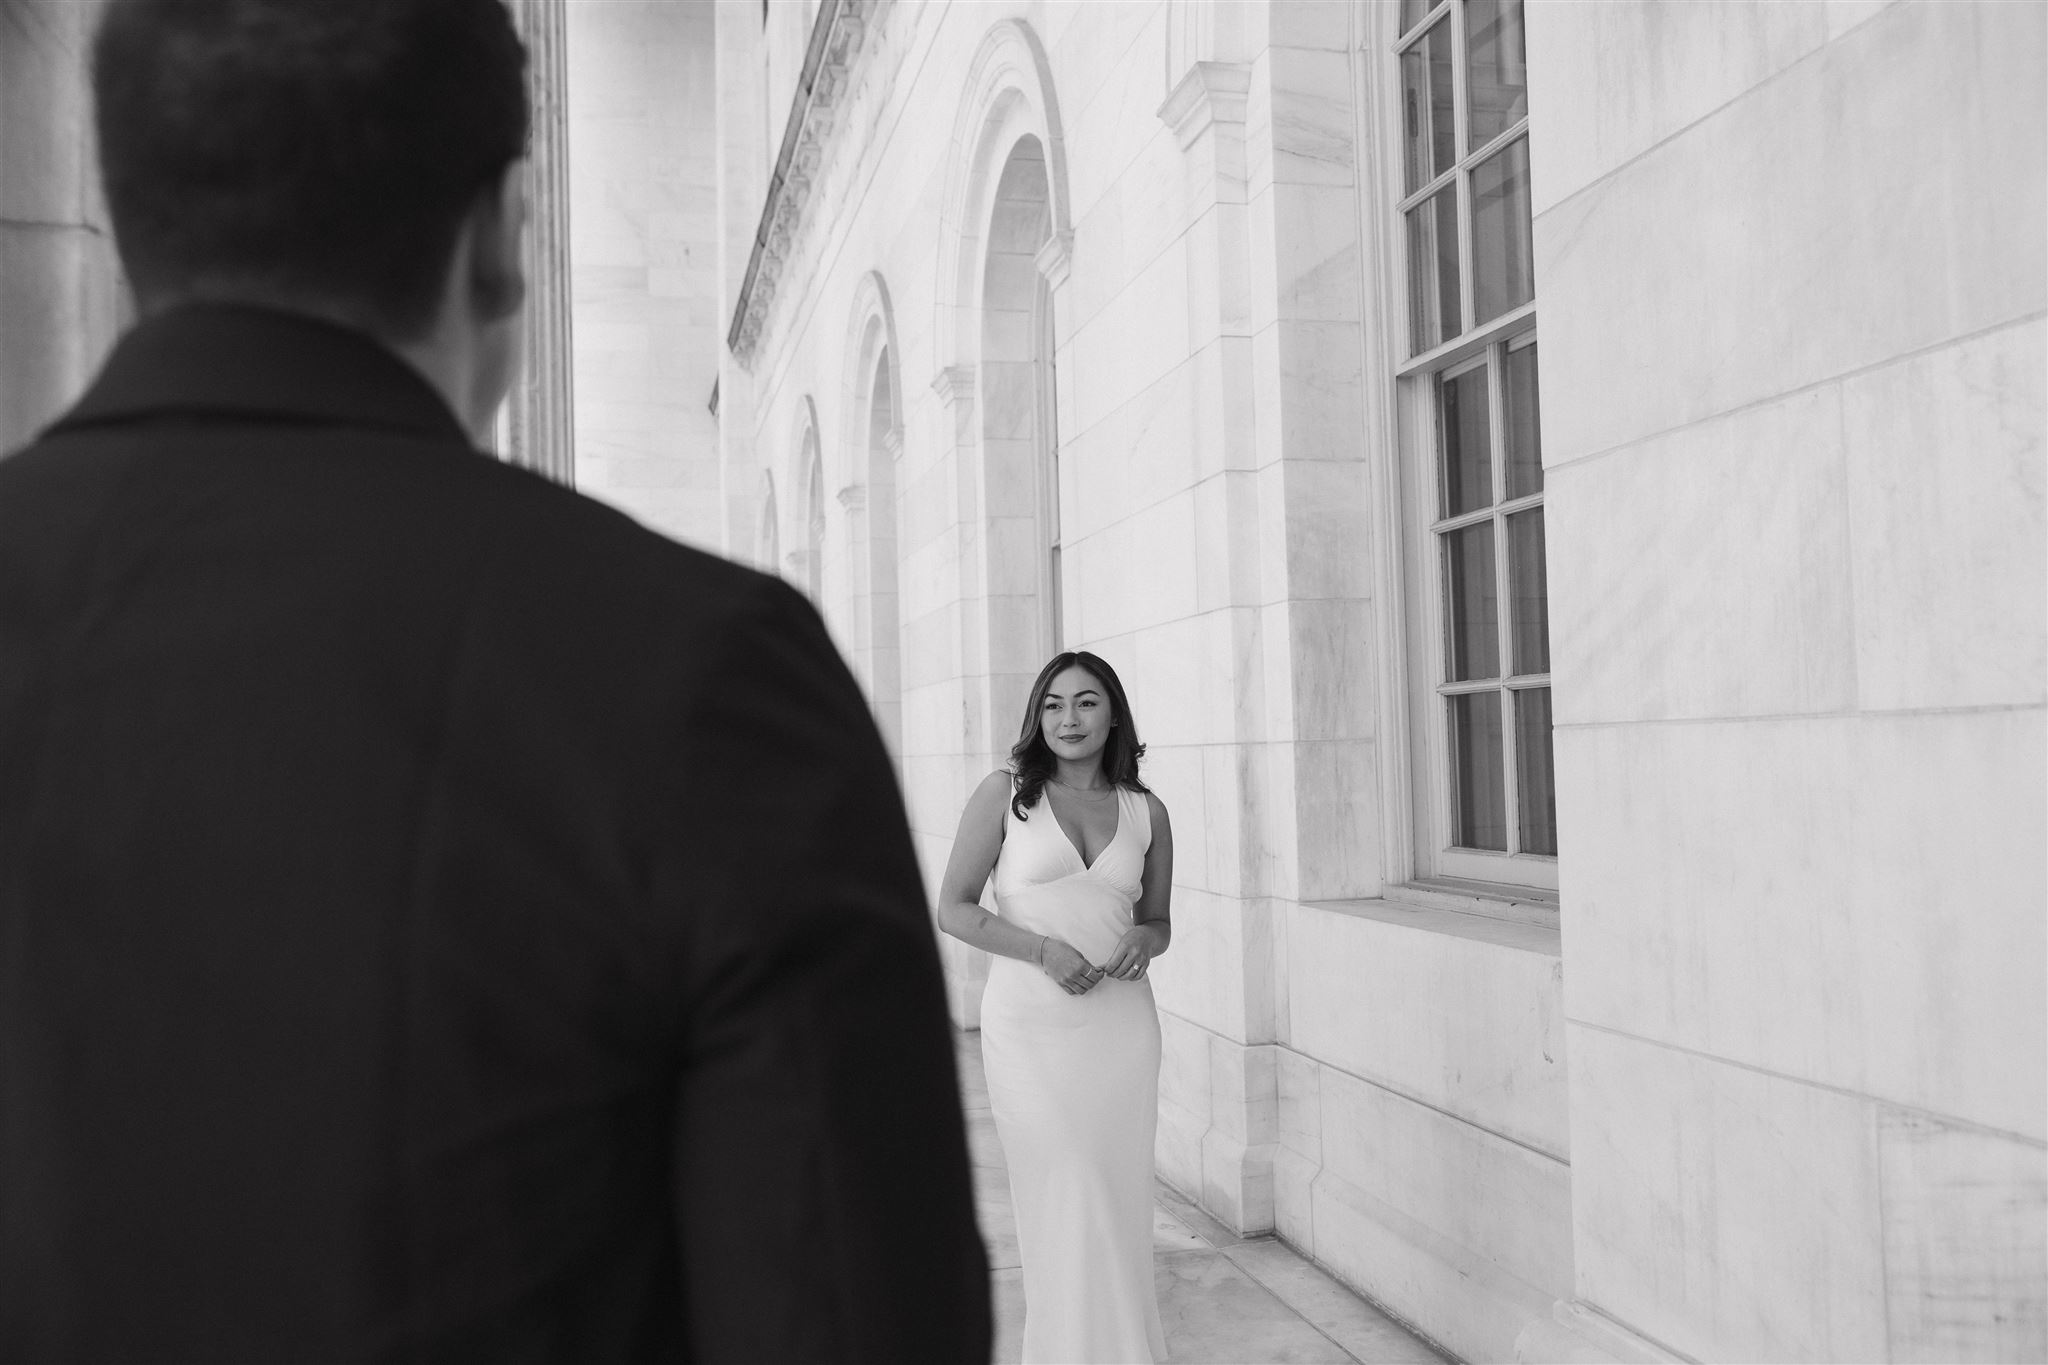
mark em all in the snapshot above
pixel 767 535
pixel 812 576
pixel 884 641
pixel 1019 439
pixel 1047 449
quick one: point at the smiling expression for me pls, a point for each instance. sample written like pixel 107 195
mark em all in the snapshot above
pixel 1076 718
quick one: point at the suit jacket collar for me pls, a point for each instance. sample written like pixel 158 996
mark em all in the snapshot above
pixel 239 361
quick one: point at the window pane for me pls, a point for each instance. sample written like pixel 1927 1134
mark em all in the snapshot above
pixel 1524 428
pixel 1537 784
pixel 1496 69
pixel 1503 271
pixel 1478 789
pixel 1412 12
pixel 1531 591
pixel 1427 103
pixel 1468 449
pixel 1471 604
pixel 1433 270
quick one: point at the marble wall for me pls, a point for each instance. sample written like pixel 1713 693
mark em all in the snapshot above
pixel 1793 436
pixel 61 296
pixel 643 265
pixel 1339 1067
pixel 1773 1087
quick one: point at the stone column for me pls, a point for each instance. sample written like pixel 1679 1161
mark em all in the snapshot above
pixel 972 748
pixel 743 157
pixel 1220 1135
pixel 535 428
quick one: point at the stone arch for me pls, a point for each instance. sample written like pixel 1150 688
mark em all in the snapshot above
pixel 1008 96
pixel 804 562
pixel 1005 234
pixel 1005 238
pixel 1016 381
pixel 872 399
pixel 767 527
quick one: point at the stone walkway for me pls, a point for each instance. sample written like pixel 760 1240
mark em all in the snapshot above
pixel 1224 1298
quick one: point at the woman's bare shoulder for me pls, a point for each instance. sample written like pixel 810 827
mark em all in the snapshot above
pixel 992 793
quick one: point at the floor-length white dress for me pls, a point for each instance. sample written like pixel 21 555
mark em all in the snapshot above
pixel 1073 1084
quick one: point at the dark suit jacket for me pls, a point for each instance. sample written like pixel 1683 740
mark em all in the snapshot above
pixel 439 919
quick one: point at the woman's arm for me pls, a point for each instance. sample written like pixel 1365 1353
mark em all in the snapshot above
pixel 975 846
pixel 1151 929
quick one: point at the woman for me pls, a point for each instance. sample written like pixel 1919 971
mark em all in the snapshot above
pixel 1083 863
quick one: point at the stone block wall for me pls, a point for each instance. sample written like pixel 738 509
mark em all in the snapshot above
pixel 1337 1068
pixel 61 296
pixel 642 261
pixel 1793 292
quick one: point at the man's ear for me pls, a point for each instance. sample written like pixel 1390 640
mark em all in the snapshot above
pixel 497 230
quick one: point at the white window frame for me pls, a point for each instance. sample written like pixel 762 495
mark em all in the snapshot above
pixel 1419 795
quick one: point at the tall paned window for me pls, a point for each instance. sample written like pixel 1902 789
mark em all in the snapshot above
pixel 1487 804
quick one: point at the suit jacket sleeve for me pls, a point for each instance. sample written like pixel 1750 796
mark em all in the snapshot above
pixel 823 1194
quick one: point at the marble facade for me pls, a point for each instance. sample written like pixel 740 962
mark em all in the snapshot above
pixel 1767 1076
pixel 62 300
pixel 1764 1080
pixel 642 266
pixel 1799 414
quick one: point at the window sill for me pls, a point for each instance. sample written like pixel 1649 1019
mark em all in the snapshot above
pixel 1523 904
pixel 1525 920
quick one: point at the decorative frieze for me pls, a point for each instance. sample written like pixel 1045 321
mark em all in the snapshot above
pixel 837 41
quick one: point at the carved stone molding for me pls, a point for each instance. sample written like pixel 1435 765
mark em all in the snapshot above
pixel 1055 260
pixel 838 38
pixel 892 444
pixel 853 497
pixel 954 385
pixel 1211 93
pixel 538 426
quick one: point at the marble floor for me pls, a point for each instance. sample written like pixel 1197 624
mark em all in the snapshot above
pixel 1224 1298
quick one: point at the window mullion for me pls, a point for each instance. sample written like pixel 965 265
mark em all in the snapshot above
pixel 1429 190
pixel 1420 27
pixel 1466 309
pixel 1499 141
pixel 1504 627
pixel 1461 521
pixel 1465 345
pixel 1469 686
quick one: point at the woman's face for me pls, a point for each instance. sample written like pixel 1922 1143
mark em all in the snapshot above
pixel 1076 716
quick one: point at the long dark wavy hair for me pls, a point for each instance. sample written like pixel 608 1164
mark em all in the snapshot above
pixel 1033 762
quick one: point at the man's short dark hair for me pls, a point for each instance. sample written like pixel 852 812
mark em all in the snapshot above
pixel 314 151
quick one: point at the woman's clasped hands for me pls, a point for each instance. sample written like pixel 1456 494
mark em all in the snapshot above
pixel 1076 975
pixel 1063 962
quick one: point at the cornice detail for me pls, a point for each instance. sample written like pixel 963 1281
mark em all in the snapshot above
pixel 1211 93
pixel 838 38
pixel 954 384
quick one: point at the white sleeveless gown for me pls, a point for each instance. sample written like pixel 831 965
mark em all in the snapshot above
pixel 1073 1085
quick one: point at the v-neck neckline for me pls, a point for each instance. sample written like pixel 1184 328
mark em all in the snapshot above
pixel 1079 856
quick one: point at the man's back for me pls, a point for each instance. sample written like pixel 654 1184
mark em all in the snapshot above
pixel 441 918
